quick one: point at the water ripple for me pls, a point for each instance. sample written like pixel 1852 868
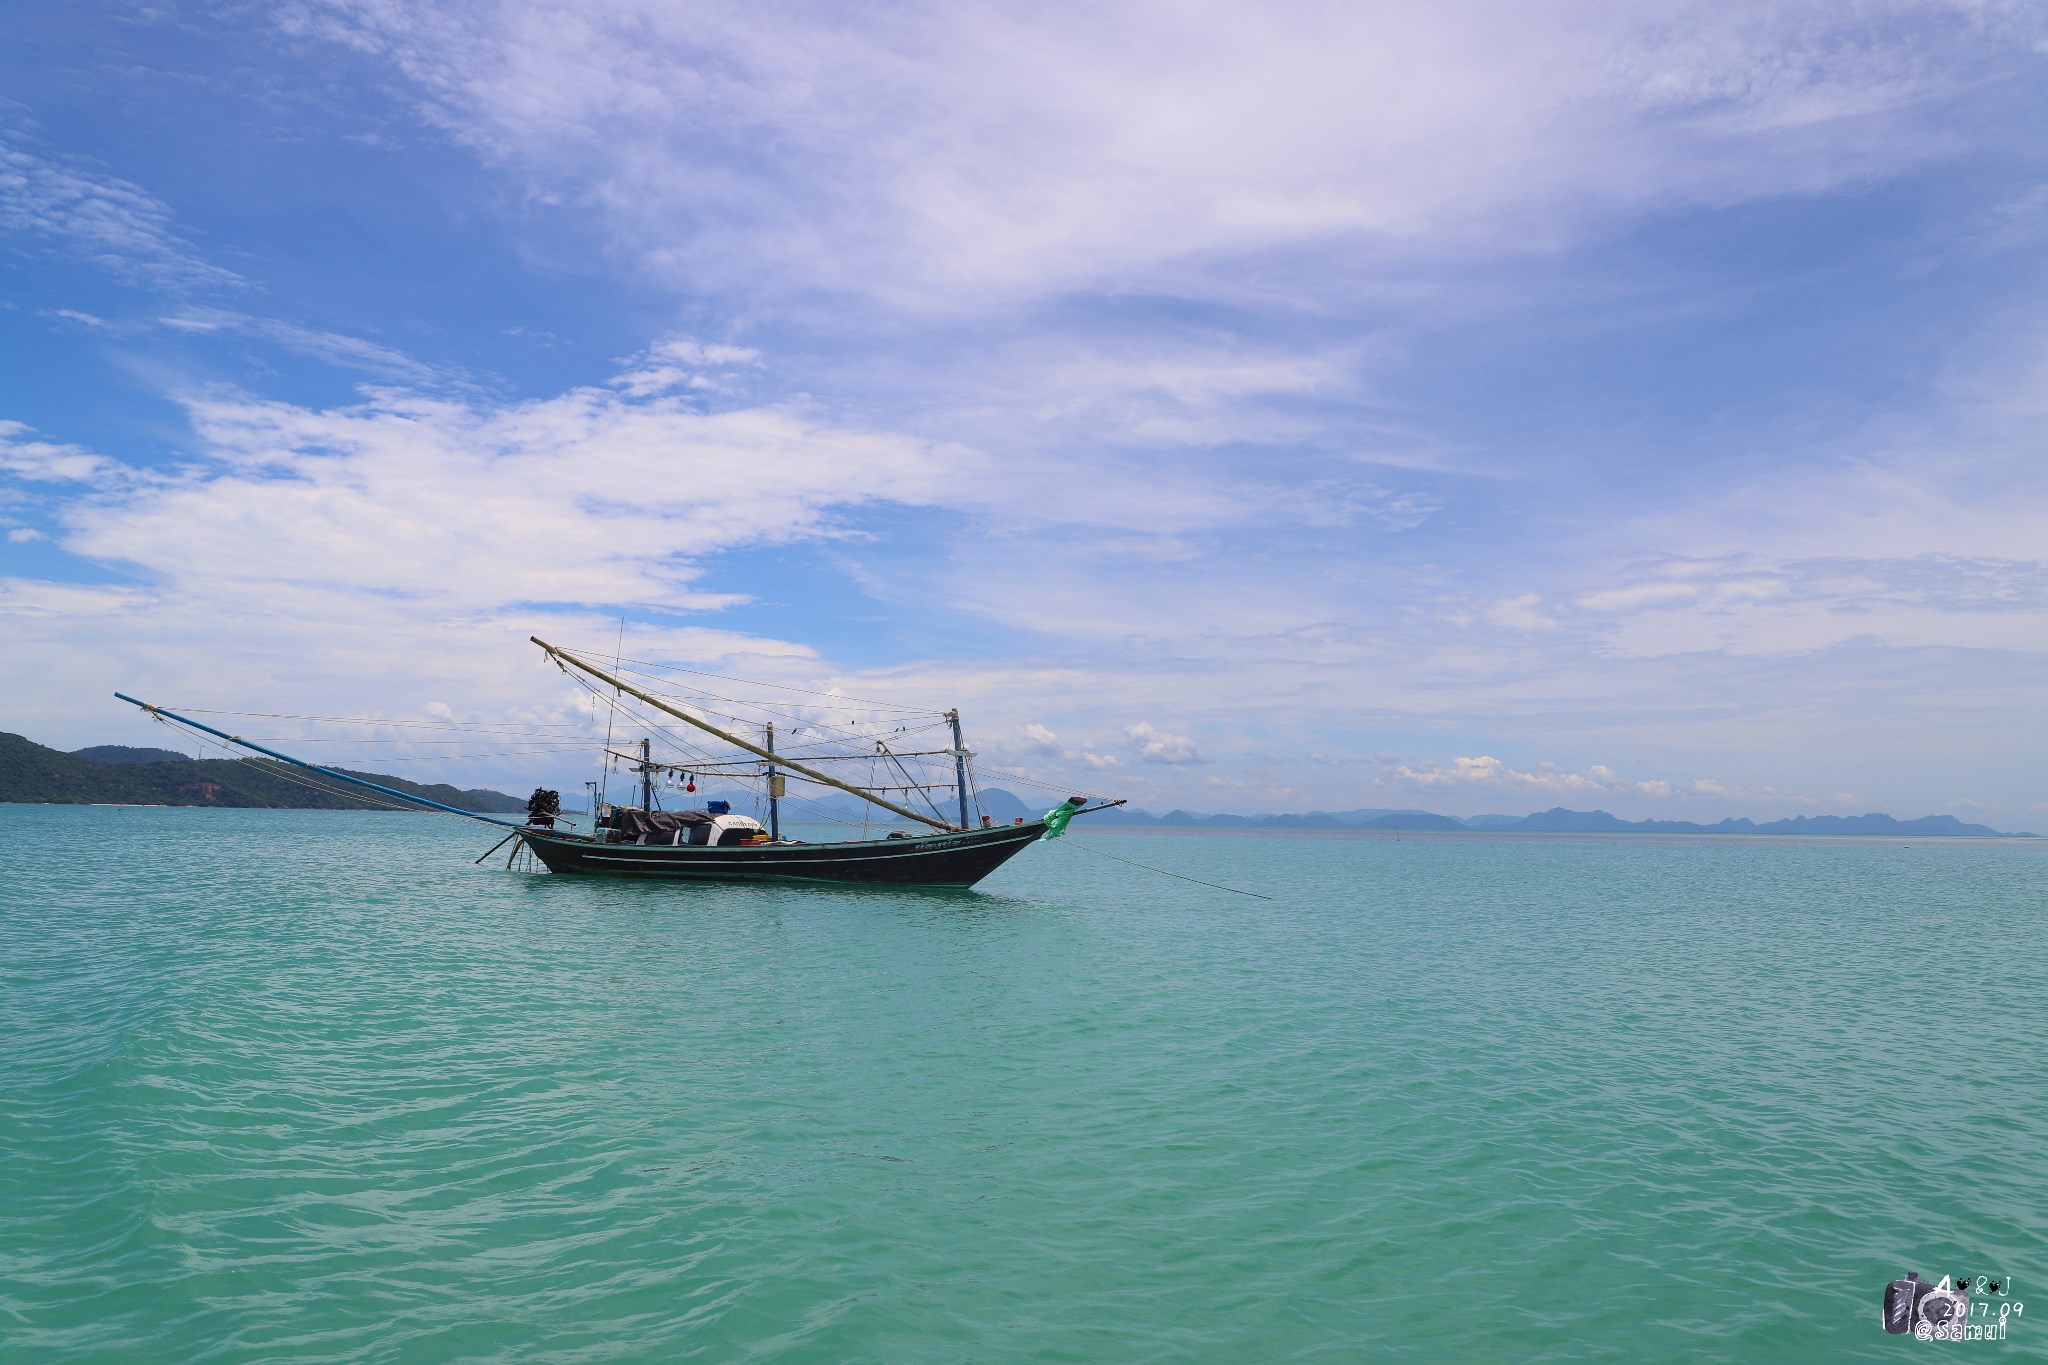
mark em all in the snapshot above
pixel 310 1086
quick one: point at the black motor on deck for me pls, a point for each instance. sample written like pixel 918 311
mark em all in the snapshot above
pixel 542 807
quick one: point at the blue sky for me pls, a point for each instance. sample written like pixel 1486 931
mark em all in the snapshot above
pixel 1477 406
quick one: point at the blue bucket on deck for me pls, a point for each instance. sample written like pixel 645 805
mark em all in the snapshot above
pixel 719 807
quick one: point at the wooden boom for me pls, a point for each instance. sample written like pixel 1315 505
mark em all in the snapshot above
pixel 563 656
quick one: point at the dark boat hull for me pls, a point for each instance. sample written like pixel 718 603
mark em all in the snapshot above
pixel 960 859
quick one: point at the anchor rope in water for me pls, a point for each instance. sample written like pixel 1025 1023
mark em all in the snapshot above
pixel 1164 873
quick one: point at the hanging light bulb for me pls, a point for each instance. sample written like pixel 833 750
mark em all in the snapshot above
pixel 691 781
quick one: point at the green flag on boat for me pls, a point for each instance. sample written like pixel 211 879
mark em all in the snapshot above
pixel 1056 818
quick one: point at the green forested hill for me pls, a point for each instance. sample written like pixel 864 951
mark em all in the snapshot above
pixel 31 772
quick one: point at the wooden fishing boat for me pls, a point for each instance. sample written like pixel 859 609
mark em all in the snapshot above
pixel 957 858
pixel 717 844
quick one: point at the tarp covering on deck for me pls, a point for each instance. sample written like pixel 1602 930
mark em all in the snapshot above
pixel 634 824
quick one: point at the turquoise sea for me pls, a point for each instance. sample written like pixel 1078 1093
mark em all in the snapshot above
pixel 311 1086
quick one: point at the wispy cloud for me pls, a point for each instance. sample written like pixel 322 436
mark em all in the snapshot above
pixel 1486 773
pixel 1746 605
pixel 334 348
pixel 955 155
pixel 1486 776
pixel 70 207
pixel 1525 612
pixel 82 319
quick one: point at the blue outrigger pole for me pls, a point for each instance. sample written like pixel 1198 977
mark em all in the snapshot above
pixel 314 767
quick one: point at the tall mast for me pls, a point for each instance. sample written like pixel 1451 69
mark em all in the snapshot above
pixel 959 763
pixel 563 656
pixel 774 789
pixel 646 774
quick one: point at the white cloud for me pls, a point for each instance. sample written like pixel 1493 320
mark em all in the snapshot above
pixel 23 457
pixel 945 154
pixel 1487 773
pixel 1522 613
pixel 1160 746
pixel 590 497
pixel 1037 739
pixel 680 362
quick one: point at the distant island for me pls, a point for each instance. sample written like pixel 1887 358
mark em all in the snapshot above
pixel 120 775
pixel 117 775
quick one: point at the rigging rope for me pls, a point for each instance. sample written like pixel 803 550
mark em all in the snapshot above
pixel 801 751
pixel 1162 871
pixel 377 720
pixel 695 757
pixel 1032 781
pixel 785 687
pixel 283 771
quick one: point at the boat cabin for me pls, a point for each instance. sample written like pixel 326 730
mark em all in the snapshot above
pixel 631 825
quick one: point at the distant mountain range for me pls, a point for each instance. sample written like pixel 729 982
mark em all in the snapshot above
pixel 115 774
pixel 1557 820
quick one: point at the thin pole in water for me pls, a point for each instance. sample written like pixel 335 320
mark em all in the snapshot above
pixel 500 844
